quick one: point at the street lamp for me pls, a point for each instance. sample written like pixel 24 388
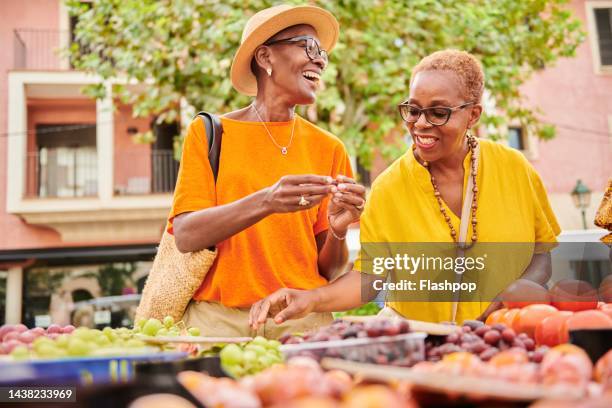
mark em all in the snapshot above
pixel 582 199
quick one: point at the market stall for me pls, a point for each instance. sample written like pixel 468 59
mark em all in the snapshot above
pixel 533 354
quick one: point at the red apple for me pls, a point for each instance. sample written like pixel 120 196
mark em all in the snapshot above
pixel 10 345
pixel 20 328
pixel 11 336
pixel 54 328
pixel 26 337
pixel 7 328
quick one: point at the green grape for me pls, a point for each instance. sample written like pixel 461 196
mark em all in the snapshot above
pixel 173 333
pixel 168 322
pixel 135 343
pixel 78 347
pixel 20 353
pixel 193 331
pixel 273 344
pixel 276 359
pixel 249 357
pixel 151 327
pixel 235 371
pixel 140 324
pixel 80 333
pixel 46 350
pixel 103 341
pixel 259 341
pixel 62 340
pixel 162 332
pixel 41 341
pixel 265 361
pixel 231 355
pixel 259 350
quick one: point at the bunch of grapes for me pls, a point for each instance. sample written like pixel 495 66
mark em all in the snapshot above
pixel 340 330
pixel 252 358
pixel 485 341
pixel 166 327
pixel 369 309
pixel 59 342
pixel 81 342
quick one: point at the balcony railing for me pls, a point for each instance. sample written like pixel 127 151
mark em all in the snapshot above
pixel 40 49
pixel 138 173
pixel 67 172
pixel 62 172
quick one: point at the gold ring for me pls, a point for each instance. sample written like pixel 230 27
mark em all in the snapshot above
pixel 360 207
pixel 303 202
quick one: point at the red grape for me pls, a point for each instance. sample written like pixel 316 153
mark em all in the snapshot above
pixel 492 337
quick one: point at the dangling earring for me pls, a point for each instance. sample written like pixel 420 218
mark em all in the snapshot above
pixel 269 71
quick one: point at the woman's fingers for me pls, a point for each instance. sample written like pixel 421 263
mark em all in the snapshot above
pixel 253 313
pixel 292 310
pixel 306 179
pixel 306 190
pixel 357 189
pixel 349 199
pixel 263 312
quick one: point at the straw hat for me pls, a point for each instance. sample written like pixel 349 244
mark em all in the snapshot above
pixel 266 24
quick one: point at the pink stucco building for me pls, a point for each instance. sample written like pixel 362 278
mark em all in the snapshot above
pixel 76 193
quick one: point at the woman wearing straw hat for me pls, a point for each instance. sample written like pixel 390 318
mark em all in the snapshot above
pixel 284 196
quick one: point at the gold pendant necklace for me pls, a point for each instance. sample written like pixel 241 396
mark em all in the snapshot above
pixel 284 149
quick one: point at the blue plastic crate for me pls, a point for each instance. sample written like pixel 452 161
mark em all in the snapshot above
pixel 78 371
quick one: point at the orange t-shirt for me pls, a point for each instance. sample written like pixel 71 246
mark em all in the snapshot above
pixel 280 250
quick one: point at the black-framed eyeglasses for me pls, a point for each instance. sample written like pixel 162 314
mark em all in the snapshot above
pixel 313 51
pixel 436 115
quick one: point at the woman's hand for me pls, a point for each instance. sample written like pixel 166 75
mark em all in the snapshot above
pixel 346 204
pixel 282 305
pixel 495 305
pixel 296 193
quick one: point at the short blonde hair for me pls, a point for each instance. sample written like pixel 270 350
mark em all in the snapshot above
pixel 467 68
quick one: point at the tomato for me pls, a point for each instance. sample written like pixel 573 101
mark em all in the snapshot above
pixel 574 295
pixel 524 292
pixel 509 317
pixel 529 317
pixel 548 332
pixel 496 316
pixel 588 319
pixel 603 370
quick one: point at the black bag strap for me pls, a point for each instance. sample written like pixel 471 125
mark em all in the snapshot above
pixel 214 133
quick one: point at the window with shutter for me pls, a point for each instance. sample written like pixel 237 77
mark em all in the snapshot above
pixel 603 23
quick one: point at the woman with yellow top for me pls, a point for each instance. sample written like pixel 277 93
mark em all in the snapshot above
pixel 421 197
pixel 283 183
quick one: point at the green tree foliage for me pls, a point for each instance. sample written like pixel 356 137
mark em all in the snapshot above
pixel 184 49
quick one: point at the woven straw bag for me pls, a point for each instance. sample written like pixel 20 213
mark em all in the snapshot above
pixel 175 276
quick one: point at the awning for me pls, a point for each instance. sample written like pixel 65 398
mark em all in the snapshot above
pixel 81 255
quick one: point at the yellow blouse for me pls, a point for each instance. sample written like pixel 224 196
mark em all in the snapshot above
pixel 512 208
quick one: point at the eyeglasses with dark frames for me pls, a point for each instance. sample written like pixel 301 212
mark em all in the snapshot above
pixel 312 48
pixel 436 115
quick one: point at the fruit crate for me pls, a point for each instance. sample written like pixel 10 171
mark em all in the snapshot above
pixel 79 371
pixel 404 350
